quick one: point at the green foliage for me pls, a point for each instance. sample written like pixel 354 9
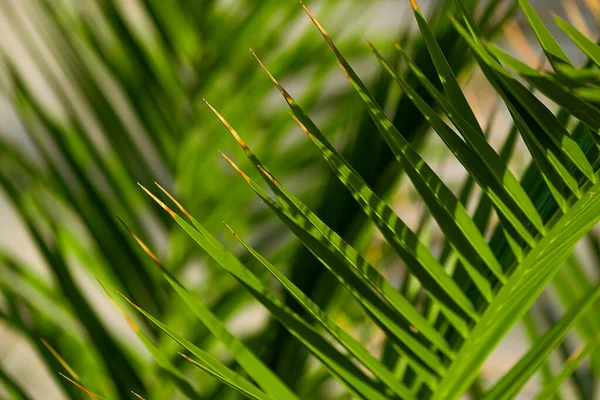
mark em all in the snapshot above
pixel 109 93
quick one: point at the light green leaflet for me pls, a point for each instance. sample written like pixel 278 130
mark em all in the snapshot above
pixel 532 329
pixel 533 273
pixel 449 82
pixel 508 183
pixel 553 171
pixel 591 94
pixel 353 346
pixel 255 368
pixel 161 358
pixel 591 49
pixel 345 262
pixel 513 381
pixel 357 281
pixel 474 160
pixel 548 85
pixel 576 77
pixel 393 228
pixel 338 363
pixel 419 259
pixel 569 368
pixel 555 54
pixel 570 284
pixel 446 209
pixel 208 363
pixel 545 152
pixel 554 130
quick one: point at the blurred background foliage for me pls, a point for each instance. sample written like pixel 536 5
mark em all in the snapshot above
pixel 97 95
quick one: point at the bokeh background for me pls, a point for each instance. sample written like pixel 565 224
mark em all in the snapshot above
pixel 130 75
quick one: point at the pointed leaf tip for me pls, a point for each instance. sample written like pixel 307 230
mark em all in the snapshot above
pixel 137 395
pixel 124 224
pixel 323 32
pixel 132 324
pixel 92 395
pixel 302 126
pixel 185 356
pixel 183 210
pixel 129 301
pixel 288 98
pixel 341 61
pixel 235 235
pixel 141 244
pixel 234 165
pixel 59 359
pixel 229 127
pixel 158 201
pixel 267 175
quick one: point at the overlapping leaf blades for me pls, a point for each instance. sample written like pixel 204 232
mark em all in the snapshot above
pixel 122 92
pixel 541 247
pixel 541 258
pixel 444 353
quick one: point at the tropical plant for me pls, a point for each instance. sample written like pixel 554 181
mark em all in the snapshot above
pixel 109 93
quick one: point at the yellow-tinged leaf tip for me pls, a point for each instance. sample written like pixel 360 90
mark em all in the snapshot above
pixel 288 98
pixel 268 175
pixel 397 45
pixel 137 395
pixel 132 324
pixel 313 18
pixel 302 126
pixel 234 165
pixel 158 201
pixel 183 210
pixel 228 126
pixel 80 386
pixel 323 32
pixel 185 356
pixel 129 301
pixel 414 5
pixel 235 235
pixel 341 61
pixel 59 359
pixel 141 243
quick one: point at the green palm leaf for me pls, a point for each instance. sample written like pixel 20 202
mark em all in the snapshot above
pixel 125 82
